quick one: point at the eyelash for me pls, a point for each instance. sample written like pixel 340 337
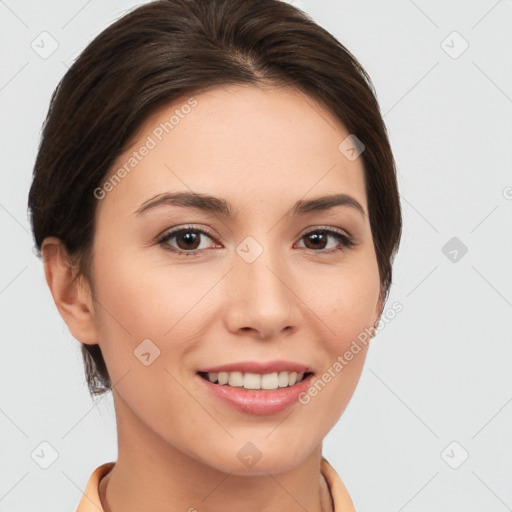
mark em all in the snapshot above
pixel 345 240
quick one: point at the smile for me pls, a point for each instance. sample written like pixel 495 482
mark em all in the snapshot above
pixel 255 381
pixel 256 393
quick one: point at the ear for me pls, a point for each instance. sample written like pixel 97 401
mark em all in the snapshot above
pixel 379 308
pixel 71 296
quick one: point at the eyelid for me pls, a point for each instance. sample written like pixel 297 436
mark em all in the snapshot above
pixel 315 227
pixel 188 227
pixel 304 232
pixel 347 239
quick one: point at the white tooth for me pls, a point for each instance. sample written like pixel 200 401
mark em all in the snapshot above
pixel 223 377
pixel 252 381
pixel 269 381
pixel 283 379
pixel 236 379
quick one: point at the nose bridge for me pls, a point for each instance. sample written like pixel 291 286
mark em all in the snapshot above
pixel 264 299
pixel 260 264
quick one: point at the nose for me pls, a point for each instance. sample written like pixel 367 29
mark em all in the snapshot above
pixel 260 297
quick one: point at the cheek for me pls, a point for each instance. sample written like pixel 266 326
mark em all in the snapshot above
pixel 346 307
pixel 346 302
pixel 147 324
pixel 137 302
pixel 141 299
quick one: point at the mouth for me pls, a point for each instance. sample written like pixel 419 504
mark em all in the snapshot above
pixel 255 381
pixel 257 387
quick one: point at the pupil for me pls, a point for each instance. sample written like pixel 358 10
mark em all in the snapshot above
pixel 189 239
pixel 318 237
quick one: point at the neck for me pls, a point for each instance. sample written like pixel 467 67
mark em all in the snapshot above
pixel 150 474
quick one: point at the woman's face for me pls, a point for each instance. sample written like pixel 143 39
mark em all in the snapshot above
pixel 260 285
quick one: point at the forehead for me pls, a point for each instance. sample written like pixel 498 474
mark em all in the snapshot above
pixel 241 142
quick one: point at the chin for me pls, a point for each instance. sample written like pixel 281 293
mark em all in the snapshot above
pixel 253 457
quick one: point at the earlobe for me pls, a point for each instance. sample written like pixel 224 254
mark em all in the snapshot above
pixel 72 297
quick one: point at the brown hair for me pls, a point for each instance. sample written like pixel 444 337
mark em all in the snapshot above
pixel 164 50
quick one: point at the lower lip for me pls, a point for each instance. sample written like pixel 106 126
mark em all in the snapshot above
pixel 258 402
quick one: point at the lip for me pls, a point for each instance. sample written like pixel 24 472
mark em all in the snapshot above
pixel 258 402
pixel 259 367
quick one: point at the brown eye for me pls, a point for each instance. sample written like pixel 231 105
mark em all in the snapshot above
pixel 318 240
pixel 187 240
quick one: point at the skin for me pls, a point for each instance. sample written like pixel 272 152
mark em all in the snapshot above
pixel 261 149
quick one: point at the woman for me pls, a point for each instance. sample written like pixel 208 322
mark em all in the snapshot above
pixel 216 204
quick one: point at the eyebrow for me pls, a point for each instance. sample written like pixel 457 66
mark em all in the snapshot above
pixel 220 206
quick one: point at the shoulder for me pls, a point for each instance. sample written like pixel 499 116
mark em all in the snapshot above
pixel 339 493
pixel 90 501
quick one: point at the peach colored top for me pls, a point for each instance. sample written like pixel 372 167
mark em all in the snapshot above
pixel 90 501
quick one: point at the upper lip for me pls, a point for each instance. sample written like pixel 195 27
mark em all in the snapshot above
pixel 259 367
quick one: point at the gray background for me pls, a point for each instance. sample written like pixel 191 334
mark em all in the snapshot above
pixel 439 373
